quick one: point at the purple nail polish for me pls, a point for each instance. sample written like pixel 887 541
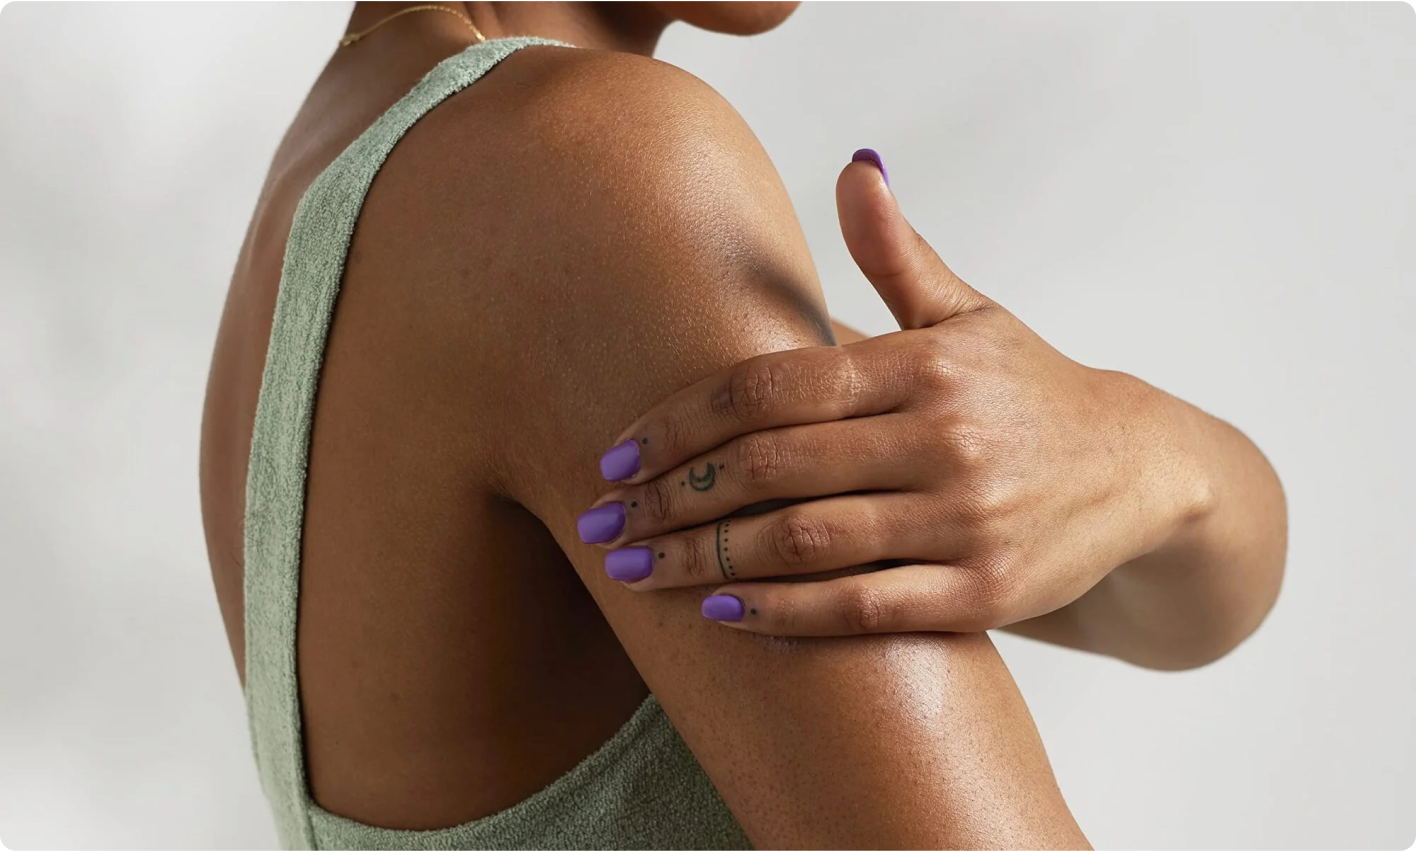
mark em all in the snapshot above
pixel 630 564
pixel 722 607
pixel 620 462
pixel 870 156
pixel 601 524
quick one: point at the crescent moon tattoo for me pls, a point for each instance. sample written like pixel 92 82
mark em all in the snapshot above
pixel 705 482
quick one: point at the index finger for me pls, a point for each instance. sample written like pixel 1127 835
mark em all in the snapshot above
pixel 792 387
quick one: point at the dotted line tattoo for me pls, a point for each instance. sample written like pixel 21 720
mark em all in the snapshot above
pixel 725 559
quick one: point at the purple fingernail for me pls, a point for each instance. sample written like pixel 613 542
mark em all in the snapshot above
pixel 601 524
pixel 870 156
pixel 621 462
pixel 630 564
pixel 722 607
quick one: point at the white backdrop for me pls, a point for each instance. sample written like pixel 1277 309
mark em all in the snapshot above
pixel 1215 197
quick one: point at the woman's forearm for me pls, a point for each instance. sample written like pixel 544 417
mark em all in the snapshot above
pixel 1208 587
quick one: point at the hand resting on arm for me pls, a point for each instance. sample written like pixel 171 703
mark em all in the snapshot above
pixel 637 239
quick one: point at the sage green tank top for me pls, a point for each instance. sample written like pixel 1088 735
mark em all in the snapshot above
pixel 641 789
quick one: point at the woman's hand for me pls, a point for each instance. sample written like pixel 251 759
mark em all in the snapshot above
pixel 1001 479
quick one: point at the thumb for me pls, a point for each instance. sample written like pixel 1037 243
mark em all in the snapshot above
pixel 915 284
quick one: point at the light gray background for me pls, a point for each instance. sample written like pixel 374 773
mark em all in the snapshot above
pixel 1217 198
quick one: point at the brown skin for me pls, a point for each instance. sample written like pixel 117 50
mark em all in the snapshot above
pixel 1018 487
pixel 731 18
pixel 544 257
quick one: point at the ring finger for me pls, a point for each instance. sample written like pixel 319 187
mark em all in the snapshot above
pixel 809 537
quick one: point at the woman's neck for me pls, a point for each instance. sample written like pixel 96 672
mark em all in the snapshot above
pixel 625 27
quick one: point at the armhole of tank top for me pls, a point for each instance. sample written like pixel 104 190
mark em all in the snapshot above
pixel 313 266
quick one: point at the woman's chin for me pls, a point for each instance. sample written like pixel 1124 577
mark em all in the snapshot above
pixel 748 18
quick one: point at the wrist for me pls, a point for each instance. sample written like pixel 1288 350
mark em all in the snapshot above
pixel 1174 486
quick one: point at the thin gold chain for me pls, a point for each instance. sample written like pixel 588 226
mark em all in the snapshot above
pixel 353 37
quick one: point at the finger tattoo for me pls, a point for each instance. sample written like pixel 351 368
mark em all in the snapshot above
pixel 725 557
pixel 704 483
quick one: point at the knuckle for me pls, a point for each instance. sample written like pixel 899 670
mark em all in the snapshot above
pixel 965 444
pixel 997 502
pixel 675 436
pixel 935 365
pixel 750 391
pixel 845 382
pixel 993 588
pixel 987 508
pixel 798 541
pixel 656 497
pixel 864 610
pixel 759 458
pixel 696 563
pixel 985 522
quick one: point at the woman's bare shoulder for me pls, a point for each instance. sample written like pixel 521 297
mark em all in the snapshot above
pixel 545 107
pixel 569 185
pixel 592 233
pixel 566 137
pixel 554 90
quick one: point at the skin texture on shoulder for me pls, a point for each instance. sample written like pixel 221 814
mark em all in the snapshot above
pixel 599 230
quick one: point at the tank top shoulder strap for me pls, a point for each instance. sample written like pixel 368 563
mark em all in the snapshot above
pixel 275 488
pixel 642 788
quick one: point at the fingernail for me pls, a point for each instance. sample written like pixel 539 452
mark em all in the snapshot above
pixel 630 564
pixel 601 524
pixel 621 462
pixel 870 156
pixel 722 607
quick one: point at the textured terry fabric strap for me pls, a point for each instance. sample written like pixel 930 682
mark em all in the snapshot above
pixel 275 488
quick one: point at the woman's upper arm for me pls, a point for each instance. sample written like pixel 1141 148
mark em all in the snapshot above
pixel 651 244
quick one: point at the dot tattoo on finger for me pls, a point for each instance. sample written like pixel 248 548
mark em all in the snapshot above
pixel 725 560
pixel 727 556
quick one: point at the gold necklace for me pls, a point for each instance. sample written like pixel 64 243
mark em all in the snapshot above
pixel 353 37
